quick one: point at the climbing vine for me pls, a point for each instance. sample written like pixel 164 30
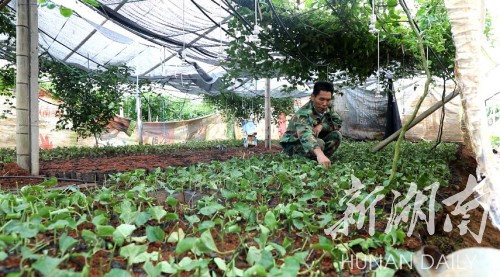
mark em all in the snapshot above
pixel 7 72
pixel 335 40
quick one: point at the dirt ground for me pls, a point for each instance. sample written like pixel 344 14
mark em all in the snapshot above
pixel 89 170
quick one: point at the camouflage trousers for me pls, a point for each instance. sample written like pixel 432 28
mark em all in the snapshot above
pixel 328 143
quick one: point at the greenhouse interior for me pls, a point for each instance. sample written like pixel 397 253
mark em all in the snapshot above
pixel 249 138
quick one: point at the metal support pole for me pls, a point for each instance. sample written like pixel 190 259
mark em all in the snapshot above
pixel 267 107
pixel 27 133
pixel 138 111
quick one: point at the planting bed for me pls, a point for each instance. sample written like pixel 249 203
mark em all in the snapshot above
pixel 91 169
pixel 224 211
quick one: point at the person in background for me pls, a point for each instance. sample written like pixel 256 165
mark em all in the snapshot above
pixel 282 124
pixel 313 131
pixel 249 133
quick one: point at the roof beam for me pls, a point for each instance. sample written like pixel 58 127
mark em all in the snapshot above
pixel 4 3
pixel 123 2
pixel 200 36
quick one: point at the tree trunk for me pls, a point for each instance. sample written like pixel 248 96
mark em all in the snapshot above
pixel 467 24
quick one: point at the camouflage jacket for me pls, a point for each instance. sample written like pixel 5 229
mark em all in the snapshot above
pixel 300 127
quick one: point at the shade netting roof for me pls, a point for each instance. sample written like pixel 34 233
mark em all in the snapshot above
pixel 177 42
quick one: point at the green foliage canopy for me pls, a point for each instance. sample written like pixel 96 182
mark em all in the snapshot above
pixel 7 72
pixel 332 40
pixel 243 108
pixel 88 99
pixel 157 107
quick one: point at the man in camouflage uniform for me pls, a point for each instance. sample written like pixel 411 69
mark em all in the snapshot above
pixel 313 130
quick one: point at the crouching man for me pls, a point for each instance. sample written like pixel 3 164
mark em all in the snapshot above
pixel 313 130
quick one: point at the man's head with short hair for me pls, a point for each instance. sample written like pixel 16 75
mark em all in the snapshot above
pixel 322 95
pixel 322 85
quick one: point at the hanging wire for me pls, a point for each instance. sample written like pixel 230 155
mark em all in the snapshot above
pixel 220 31
pixel 282 25
pixel 378 65
pixel 183 53
pixel 373 30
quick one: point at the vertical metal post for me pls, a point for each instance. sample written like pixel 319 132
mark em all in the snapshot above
pixel 27 133
pixel 138 111
pixel 267 107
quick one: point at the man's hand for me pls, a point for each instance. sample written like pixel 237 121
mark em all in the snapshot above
pixel 321 158
pixel 317 129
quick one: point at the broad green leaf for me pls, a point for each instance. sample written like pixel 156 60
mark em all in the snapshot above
pixel 47 265
pixel 234 271
pixel 323 244
pixel 228 194
pixel 297 214
pixel 129 217
pixel 58 225
pixel 157 212
pixel 192 219
pixel 185 245
pixel 291 266
pixel 236 174
pixel 256 270
pixel 151 270
pixel 140 240
pixel 299 224
pixel 49 182
pixel 100 219
pixel 155 233
pixel 207 224
pixel 66 242
pixel 122 232
pixel 176 236
pixel 221 264
pixel 172 216
pixel 253 255
pixel 251 196
pixel 397 257
pixel 267 259
pixel 7 238
pixel 264 234
pixel 233 228
pixel 188 264
pixel 167 268
pixel 206 243
pixel 105 230
pixel 142 218
pixel 270 221
pixel 392 3
pixel 65 11
pixel 356 242
pixel 89 236
pixel 3 255
pixel 145 256
pixel 326 218
pixel 27 253
pixel 281 250
pixel 360 256
pixel 171 201
pixel 211 209
pixel 131 251
pixel 301 256
pixel 384 272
